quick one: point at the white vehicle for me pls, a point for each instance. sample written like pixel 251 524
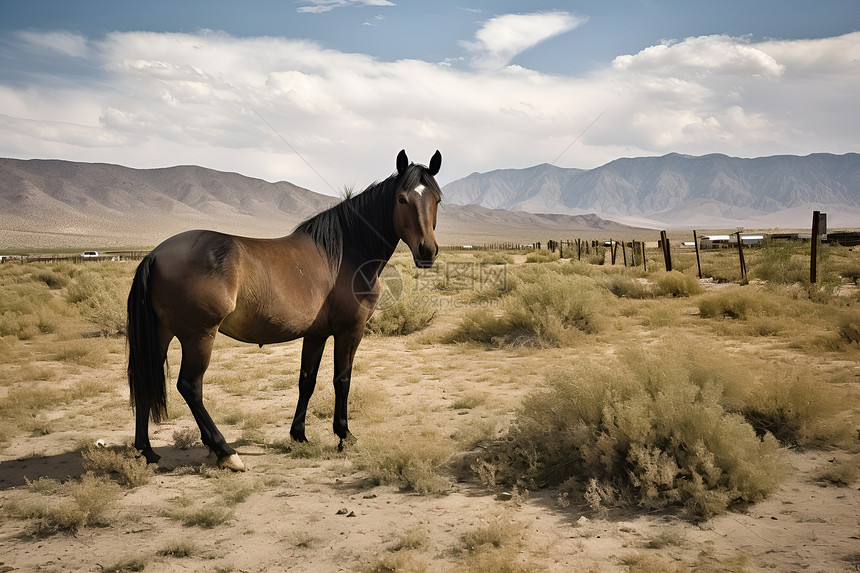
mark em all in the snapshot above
pixel 90 254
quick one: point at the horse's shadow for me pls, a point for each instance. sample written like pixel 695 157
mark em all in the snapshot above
pixel 15 473
pixel 69 465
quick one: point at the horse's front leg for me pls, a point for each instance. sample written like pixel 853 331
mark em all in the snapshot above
pixel 344 353
pixel 312 351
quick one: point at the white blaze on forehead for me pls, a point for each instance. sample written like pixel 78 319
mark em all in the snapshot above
pixel 420 190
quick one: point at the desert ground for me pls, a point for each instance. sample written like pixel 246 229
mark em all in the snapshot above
pixel 427 408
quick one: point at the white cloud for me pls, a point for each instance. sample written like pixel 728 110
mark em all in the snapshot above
pixel 64 43
pixel 321 6
pixel 501 38
pixel 209 99
pixel 705 54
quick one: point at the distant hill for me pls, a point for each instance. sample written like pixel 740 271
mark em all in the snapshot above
pixel 50 203
pixel 679 190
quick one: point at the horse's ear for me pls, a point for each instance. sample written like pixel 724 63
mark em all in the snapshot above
pixel 402 161
pixel 435 164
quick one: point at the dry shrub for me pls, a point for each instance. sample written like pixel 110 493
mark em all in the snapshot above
pixel 551 309
pixel 100 296
pixel 797 407
pixel 626 287
pixel 69 506
pixel 124 465
pixel 778 262
pixel 643 562
pixel 26 309
pixel 184 438
pixel 740 302
pixel 496 546
pixel 400 562
pixel 412 460
pixel 85 352
pixel 403 309
pixel 542 257
pixel 842 472
pixel 849 326
pixel 676 283
pixel 647 431
pixel 51 277
pixel 411 313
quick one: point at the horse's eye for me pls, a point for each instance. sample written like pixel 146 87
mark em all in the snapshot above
pixel 402 200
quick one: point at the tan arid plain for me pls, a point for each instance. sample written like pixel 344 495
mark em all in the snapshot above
pixel 424 410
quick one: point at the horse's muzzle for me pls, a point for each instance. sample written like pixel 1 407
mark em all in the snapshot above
pixel 425 255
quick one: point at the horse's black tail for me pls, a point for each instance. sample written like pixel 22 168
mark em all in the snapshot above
pixel 146 379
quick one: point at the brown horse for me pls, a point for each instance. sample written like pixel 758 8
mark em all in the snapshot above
pixel 320 281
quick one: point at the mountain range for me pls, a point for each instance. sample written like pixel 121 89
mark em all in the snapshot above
pixel 52 203
pixel 710 191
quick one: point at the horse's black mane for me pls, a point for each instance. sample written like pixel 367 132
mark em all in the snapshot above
pixel 365 220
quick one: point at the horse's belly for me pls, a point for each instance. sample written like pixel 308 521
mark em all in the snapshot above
pixel 249 327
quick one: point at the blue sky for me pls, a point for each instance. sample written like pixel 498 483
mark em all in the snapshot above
pixel 324 93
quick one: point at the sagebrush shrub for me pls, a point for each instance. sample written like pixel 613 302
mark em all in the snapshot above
pixel 777 262
pixel 796 406
pixel 626 287
pixel 409 314
pixel 731 303
pixel 551 309
pixel 413 461
pixel 101 299
pixel 641 432
pixel 403 309
pixel 71 505
pixel 542 257
pixel 124 465
pixel 676 283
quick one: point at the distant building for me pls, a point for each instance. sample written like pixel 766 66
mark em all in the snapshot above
pixel 714 241
pixel 726 241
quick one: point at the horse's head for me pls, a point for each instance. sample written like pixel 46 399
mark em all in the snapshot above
pixel 415 203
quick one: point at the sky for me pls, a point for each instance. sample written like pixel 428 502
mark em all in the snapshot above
pixel 324 93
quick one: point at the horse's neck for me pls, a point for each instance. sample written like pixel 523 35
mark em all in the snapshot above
pixel 380 241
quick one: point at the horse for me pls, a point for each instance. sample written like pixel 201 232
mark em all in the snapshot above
pixel 318 282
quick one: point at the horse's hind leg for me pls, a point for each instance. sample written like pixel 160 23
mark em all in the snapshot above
pixel 195 359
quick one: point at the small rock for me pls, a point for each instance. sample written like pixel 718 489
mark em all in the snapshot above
pixel 351 514
pixel 505 496
pixel 342 511
pixel 583 520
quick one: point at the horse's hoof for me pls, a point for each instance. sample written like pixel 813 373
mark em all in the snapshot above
pixel 232 462
pixel 151 457
pixel 298 437
pixel 347 440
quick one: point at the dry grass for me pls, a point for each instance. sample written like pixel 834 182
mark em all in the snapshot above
pixel 68 506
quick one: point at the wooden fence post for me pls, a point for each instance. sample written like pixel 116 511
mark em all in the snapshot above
pixel 698 262
pixel 741 257
pixel 624 251
pixel 667 255
pixel 813 266
pixel 644 264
